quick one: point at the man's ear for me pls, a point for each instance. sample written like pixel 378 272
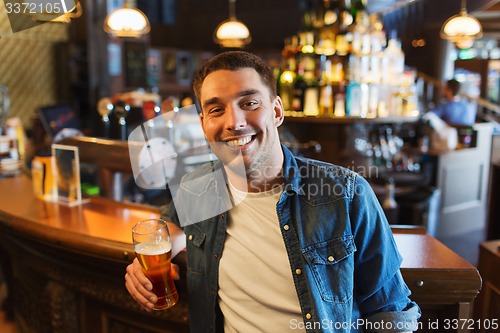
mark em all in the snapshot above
pixel 201 122
pixel 279 112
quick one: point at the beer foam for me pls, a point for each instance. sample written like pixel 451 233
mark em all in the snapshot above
pixel 153 248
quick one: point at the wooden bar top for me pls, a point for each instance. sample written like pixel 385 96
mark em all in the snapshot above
pixel 105 225
pixel 426 252
pixel 99 226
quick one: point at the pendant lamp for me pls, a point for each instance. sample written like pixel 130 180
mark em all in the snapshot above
pixel 127 21
pixel 232 33
pixel 462 29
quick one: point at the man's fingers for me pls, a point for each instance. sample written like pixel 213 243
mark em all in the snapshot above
pixel 139 286
pixel 138 297
pixel 139 275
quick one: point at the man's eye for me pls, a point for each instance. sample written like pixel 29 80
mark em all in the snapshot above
pixel 251 104
pixel 215 111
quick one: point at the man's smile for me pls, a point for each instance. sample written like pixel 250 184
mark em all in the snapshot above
pixel 239 142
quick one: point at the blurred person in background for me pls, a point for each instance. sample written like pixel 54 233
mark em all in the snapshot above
pixel 455 110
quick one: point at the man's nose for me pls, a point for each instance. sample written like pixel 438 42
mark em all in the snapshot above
pixel 235 118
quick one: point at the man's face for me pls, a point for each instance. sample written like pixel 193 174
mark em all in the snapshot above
pixel 239 115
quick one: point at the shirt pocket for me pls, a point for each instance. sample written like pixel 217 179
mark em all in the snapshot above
pixel 195 249
pixel 332 266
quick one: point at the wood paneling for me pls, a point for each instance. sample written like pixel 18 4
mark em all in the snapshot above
pixel 27 65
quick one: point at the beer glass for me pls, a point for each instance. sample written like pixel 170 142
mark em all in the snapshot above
pixel 153 249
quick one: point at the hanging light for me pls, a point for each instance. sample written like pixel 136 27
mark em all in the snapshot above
pixel 127 21
pixel 462 29
pixel 232 33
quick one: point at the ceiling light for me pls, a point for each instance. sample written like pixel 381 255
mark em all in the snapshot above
pixel 462 29
pixel 127 21
pixel 232 33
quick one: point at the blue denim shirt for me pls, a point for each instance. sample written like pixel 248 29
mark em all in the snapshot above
pixel 342 254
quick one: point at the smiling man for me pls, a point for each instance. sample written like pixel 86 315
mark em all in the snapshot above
pixel 241 115
pixel 307 247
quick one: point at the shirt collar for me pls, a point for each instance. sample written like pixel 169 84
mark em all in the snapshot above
pixel 291 173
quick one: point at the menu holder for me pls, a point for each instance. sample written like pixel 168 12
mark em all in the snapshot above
pixel 67 174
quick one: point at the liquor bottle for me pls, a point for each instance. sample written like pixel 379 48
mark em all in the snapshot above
pixel 325 41
pixel 311 99
pixel 343 38
pixel 373 100
pixel 361 38
pixel 358 6
pixel 353 99
pixel 298 91
pixel 393 62
pixel 311 94
pixel 376 56
pixel 325 88
pixel 286 84
pixel 339 97
pixel 337 73
pixel 377 30
pixel 331 14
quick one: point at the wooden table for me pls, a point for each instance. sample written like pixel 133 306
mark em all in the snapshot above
pixel 67 264
pixel 442 283
pixel 487 306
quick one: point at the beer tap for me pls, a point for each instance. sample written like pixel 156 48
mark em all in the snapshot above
pixel 121 110
pixel 104 108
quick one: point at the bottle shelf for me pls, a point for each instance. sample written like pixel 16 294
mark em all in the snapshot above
pixel 293 116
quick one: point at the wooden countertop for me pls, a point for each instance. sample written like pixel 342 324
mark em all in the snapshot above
pixel 100 227
pixel 426 252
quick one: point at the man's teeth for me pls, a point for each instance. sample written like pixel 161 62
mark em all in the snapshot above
pixel 239 142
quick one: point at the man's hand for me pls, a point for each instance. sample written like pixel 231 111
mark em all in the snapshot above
pixel 139 286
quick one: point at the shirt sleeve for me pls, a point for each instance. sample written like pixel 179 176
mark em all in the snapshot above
pixel 380 290
pixel 394 321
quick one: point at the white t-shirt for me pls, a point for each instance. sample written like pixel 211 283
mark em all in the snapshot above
pixel 256 288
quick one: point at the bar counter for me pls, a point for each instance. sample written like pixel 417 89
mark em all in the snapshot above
pixel 65 267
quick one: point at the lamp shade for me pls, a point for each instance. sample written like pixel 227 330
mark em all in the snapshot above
pixel 232 33
pixel 462 29
pixel 127 22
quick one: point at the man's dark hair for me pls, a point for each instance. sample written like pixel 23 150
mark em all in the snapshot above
pixel 234 60
pixel 454 86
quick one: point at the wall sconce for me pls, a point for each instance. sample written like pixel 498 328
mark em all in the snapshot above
pixel 127 21
pixel 231 32
pixel 462 29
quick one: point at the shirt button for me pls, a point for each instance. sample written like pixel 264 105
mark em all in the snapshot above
pixel 298 271
pixel 212 293
pixel 330 258
pixel 286 227
pixel 308 316
pixel 190 237
pixel 222 216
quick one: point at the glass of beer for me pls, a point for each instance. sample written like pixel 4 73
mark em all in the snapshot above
pixel 153 249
